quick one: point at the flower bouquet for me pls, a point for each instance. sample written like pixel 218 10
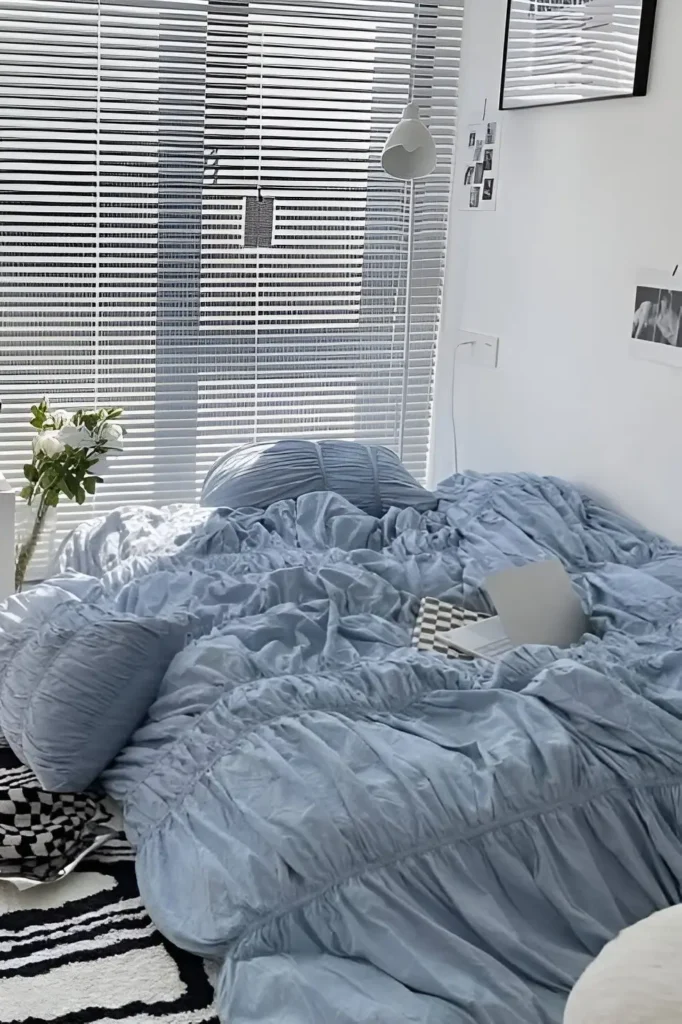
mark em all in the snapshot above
pixel 70 450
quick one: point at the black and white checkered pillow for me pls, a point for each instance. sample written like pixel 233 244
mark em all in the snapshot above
pixel 37 824
pixel 437 617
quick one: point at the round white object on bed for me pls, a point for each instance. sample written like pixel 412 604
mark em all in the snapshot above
pixel 636 979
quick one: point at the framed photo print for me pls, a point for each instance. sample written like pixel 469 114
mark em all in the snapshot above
pixel 570 51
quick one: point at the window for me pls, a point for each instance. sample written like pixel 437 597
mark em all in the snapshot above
pixel 195 225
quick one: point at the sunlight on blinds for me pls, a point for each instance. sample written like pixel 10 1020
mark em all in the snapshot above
pixel 196 226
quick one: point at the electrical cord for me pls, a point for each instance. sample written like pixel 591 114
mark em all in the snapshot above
pixel 453 415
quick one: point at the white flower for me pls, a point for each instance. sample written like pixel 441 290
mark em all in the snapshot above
pixel 61 417
pixel 76 437
pixel 111 431
pixel 112 435
pixel 49 443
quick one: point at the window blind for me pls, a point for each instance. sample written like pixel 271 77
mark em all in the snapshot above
pixel 195 225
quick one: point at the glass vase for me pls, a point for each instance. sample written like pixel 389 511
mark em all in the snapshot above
pixel 36 542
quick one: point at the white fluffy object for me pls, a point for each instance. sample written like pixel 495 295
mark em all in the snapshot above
pixel 636 979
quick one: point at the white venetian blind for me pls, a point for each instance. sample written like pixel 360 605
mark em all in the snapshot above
pixel 195 225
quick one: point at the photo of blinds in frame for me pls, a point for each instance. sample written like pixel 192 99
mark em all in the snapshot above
pixel 572 51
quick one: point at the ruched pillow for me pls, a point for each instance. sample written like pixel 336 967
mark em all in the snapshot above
pixel 372 478
pixel 77 686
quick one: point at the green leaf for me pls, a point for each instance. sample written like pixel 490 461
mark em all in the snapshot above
pixel 80 495
pixel 30 472
pixel 26 493
pixel 52 499
pixel 90 484
pixel 67 490
pixel 38 413
pixel 49 476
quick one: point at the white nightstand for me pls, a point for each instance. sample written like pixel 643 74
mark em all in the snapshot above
pixel 6 539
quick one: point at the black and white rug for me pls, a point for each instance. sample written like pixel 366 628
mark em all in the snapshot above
pixel 84 951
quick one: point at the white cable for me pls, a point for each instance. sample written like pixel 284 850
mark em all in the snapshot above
pixel 453 415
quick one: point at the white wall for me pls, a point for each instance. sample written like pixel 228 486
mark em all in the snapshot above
pixel 588 194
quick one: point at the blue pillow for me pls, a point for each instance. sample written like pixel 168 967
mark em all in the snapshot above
pixel 77 687
pixel 257 475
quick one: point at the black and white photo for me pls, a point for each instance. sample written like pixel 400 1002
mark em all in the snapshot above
pixel 667 326
pixel 478 184
pixel 658 316
pixel 646 306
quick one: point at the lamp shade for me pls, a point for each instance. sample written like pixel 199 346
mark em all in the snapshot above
pixel 410 152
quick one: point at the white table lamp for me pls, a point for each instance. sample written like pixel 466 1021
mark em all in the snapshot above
pixel 410 151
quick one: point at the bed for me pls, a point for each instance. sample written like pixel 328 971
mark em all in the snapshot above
pixel 355 831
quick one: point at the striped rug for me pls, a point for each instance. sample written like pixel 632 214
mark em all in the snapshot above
pixel 84 951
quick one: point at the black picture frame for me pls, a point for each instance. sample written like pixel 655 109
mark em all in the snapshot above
pixel 642 65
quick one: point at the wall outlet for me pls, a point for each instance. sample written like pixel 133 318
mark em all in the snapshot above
pixel 481 350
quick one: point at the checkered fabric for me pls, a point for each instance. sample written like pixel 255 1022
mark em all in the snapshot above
pixel 37 824
pixel 437 617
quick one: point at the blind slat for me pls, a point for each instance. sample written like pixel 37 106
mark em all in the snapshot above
pixel 135 135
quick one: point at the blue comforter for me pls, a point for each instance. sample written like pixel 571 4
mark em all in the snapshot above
pixel 358 832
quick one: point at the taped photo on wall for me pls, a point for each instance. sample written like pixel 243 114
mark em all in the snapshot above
pixel 658 316
pixel 480 167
